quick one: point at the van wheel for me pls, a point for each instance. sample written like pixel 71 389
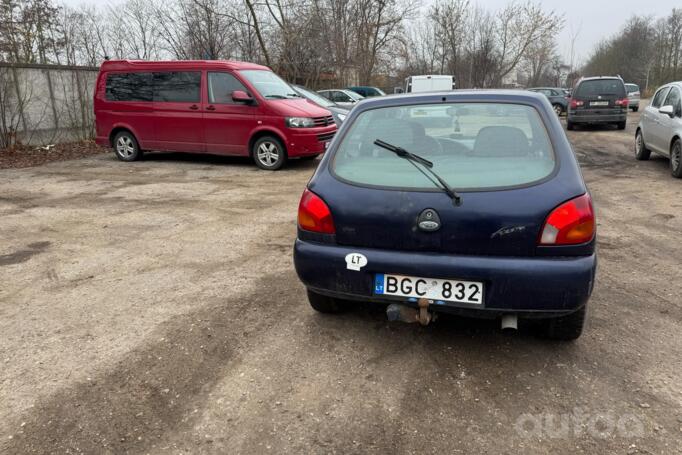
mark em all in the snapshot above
pixel 126 147
pixel 676 159
pixel 325 304
pixel 641 152
pixel 565 328
pixel 621 125
pixel 558 109
pixel 268 153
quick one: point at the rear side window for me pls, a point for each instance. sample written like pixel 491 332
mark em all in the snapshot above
pixel 129 87
pixel 221 86
pixel 600 87
pixel 177 87
pixel 472 146
pixel 659 97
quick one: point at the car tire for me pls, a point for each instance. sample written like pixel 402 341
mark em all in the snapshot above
pixel 641 152
pixel 269 153
pixel 565 328
pixel 621 125
pixel 558 109
pixel 635 109
pixel 323 304
pixel 570 126
pixel 126 147
pixel 676 159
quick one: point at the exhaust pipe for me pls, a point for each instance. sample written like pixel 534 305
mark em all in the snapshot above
pixel 510 322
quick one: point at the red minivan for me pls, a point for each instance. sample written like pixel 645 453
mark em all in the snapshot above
pixel 219 107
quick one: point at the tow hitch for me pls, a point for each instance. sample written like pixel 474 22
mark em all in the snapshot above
pixel 404 313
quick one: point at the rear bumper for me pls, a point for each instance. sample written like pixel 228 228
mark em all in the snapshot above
pixel 597 118
pixel 305 143
pixel 538 286
pixel 103 141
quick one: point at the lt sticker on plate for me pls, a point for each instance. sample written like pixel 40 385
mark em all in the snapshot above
pixel 355 261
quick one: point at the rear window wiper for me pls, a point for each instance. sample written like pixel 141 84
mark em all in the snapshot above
pixel 427 166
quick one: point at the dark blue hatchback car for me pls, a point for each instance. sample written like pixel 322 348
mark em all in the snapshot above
pixel 468 202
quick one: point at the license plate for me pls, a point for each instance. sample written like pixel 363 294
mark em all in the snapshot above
pixel 435 289
pixel 599 103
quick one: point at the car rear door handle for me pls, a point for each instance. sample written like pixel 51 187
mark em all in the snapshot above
pixel 210 108
pixel 194 107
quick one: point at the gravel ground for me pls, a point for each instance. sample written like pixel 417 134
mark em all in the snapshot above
pixel 153 308
pixel 24 156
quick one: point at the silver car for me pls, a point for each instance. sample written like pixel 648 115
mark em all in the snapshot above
pixel 660 127
pixel 343 98
pixel 633 96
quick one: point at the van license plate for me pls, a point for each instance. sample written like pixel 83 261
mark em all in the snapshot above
pixel 470 292
pixel 599 103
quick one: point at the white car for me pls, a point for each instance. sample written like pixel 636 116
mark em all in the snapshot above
pixel 633 95
pixel 660 127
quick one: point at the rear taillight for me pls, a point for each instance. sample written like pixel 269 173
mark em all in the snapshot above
pixel 571 223
pixel 314 215
pixel 576 103
pixel 624 102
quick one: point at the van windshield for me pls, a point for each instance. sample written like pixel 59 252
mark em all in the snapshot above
pixel 471 145
pixel 269 85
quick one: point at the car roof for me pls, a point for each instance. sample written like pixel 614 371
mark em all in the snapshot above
pixel 493 95
pixel 121 65
pixel 596 78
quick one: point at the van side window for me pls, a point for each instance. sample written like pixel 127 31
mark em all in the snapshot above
pixel 659 97
pixel 177 87
pixel 221 86
pixel 129 87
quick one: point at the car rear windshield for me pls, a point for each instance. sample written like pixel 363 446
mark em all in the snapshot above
pixel 600 87
pixel 472 146
pixel 632 88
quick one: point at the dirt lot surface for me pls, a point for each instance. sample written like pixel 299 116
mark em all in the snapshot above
pixel 153 308
pixel 24 156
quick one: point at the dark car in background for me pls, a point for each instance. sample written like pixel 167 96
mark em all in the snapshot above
pixel 557 97
pixel 367 92
pixel 338 112
pixel 490 220
pixel 598 100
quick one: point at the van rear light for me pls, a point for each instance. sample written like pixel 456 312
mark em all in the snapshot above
pixel 576 103
pixel 571 223
pixel 314 214
pixel 624 102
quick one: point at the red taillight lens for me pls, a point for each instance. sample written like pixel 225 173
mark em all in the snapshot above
pixel 575 103
pixel 624 102
pixel 571 223
pixel 314 215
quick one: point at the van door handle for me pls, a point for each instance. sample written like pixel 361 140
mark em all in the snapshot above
pixel 210 108
pixel 194 107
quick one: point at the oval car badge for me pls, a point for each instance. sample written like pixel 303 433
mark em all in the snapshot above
pixel 429 220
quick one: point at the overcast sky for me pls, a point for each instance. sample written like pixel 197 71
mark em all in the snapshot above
pixel 593 19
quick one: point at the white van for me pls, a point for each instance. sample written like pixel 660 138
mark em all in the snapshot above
pixel 429 83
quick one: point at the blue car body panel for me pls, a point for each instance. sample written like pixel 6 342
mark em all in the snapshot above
pixel 492 237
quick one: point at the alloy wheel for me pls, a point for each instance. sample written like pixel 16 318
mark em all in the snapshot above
pixel 558 109
pixel 125 147
pixel 268 153
pixel 676 157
